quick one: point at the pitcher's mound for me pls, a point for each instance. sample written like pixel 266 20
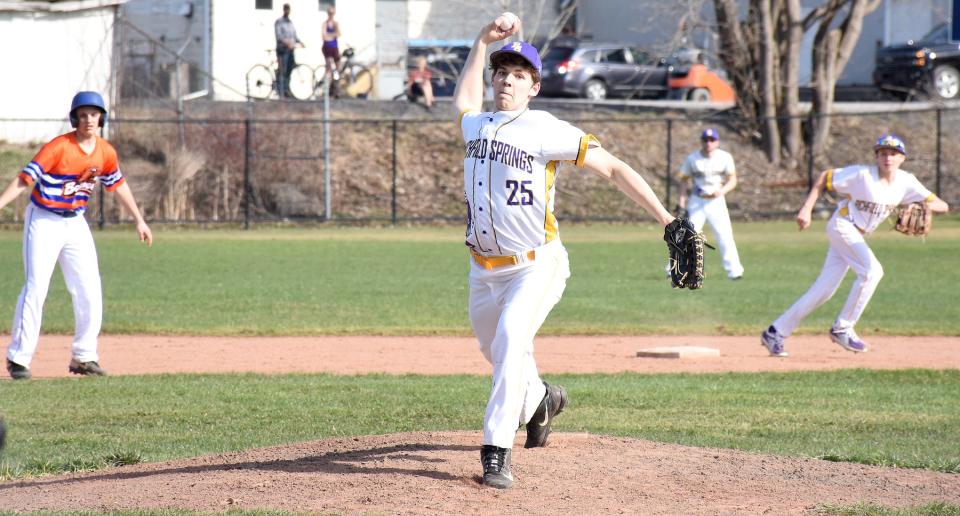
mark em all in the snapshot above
pixel 439 473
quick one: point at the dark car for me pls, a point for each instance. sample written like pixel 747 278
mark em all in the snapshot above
pixel 599 70
pixel 929 66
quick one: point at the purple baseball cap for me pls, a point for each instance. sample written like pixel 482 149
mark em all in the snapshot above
pixel 709 134
pixel 524 50
pixel 890 141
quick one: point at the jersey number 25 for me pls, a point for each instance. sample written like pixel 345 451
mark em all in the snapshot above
pixel 523 187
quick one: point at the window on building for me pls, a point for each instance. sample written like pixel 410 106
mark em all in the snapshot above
pixel 264 4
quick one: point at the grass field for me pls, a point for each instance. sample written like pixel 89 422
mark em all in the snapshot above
pixel 407 281
pixel 894 418
pixel 413 281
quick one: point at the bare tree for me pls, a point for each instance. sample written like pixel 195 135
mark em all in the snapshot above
pixel 762 55
pixel 832 47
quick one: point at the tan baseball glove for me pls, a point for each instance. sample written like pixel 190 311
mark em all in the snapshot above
pixel 914 219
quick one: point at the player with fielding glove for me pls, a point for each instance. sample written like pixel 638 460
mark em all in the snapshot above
pixel 870 194
pixel 519 268
pixel 914 219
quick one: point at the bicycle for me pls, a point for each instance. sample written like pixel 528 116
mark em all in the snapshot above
pixel 262 80
pixel 350 78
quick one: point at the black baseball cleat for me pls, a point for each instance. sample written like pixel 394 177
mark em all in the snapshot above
pixel 90 368
pixel 553 403
pixel 496 466
pixel 17 371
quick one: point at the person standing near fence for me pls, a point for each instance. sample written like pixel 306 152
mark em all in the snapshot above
pixel 61 178
pixel 518 266
pixel 869 194
pixel 714 175
pixel 331 49
pixel 287 40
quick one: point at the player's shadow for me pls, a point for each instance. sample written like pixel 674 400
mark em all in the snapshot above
pixel 341 463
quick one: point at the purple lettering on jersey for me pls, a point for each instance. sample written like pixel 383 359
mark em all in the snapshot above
pixel 874 208
pixel 511 156
pixel 476 149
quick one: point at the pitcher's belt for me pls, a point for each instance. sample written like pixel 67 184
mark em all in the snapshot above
pixel 492 262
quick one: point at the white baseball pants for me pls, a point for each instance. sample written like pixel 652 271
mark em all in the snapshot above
pixel 507 307
pixel 715 212
pixel 848 250
pixel 49 238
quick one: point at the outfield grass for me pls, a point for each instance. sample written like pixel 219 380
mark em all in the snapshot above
pixel 904 418
pixel 402 281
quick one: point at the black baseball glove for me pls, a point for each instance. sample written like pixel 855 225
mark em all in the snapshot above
pixel 686 253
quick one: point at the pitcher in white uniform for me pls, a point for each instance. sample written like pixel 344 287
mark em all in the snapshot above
pixel 518 266
pixel 870 194
pixel 714 175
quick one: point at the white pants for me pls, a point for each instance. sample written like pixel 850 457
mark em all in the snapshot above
pixel 507 307
pixel 715 212
pixel 848 250
pixel 49 238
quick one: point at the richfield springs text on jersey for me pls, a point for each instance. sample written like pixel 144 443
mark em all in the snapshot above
pixel 501 152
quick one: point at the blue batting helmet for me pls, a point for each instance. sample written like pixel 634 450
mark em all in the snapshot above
pixel 87 98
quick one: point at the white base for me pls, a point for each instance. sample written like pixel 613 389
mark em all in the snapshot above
pixel 678 352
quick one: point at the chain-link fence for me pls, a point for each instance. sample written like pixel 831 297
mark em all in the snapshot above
pixel 241 166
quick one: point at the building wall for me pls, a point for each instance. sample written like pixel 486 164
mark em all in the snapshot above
pixel 178 25
pixel 75 55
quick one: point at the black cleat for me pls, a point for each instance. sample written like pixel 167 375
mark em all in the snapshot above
pixel 553 403
pixel 17 371
pixel 90 368
pixel 496 466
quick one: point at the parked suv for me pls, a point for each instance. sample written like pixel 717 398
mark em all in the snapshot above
pixel 599 70
pixel 930 65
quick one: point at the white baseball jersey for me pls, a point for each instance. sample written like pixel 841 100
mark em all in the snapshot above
pixel 510 168
pixel 708 173
pixel 868 202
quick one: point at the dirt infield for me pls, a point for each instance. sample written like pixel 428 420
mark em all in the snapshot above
pixel 437 473
pixel 145 354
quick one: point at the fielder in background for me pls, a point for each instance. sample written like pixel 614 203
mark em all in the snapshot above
pixel 518 266
pixel 869 195
pixel 714 175
pixel 61 178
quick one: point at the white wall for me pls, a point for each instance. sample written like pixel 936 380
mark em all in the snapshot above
pixel 242 35
pixel 48 58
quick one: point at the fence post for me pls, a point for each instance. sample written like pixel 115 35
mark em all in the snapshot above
pixel 393 187
pixel 247 137
pixel 939 149
pixel 102 218
pixel 810 138
pixel 669 157
pixel 327 196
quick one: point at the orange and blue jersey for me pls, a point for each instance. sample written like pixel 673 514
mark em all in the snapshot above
pixel 55 170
